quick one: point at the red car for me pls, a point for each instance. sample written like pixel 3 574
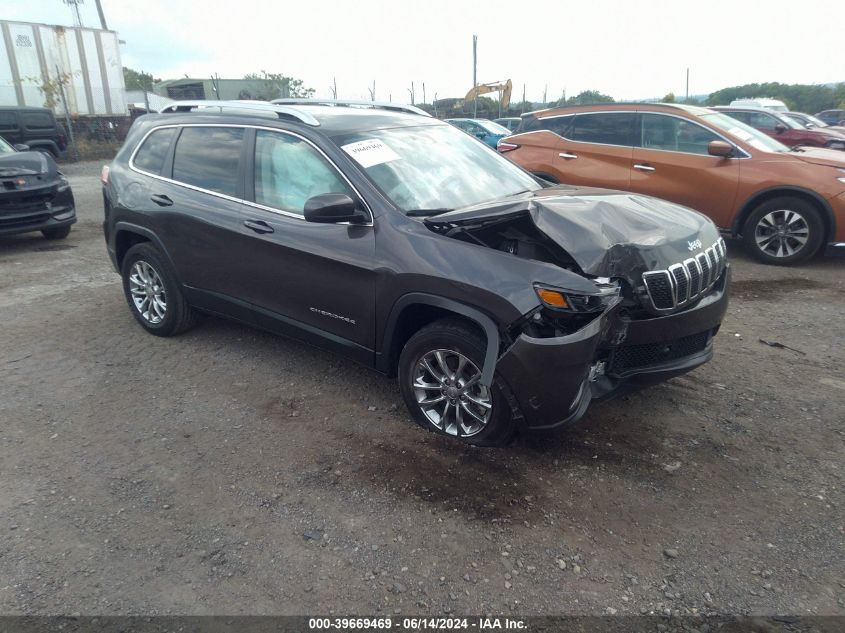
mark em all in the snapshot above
pixel 784 129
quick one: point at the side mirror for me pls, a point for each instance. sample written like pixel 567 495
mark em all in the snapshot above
pixel 720 148
pixel 780 128
pixel 810 126
pixel 21 147
pixel 333 208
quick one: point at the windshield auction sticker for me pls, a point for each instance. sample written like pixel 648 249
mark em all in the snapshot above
pixel 370 152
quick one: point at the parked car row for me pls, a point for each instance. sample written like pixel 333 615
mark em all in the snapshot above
pixel 500 301
pixel 786 204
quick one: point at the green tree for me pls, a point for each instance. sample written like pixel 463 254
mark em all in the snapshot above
pixel 670 98
pixel 277 85
pixel 799 97
pixel 586 97
pixel 138 79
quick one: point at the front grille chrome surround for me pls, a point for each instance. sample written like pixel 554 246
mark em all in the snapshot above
pixel 685 282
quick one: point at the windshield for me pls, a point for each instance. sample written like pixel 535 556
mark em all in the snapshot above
pixel 493 127
pixel 5 148
pixel 814 120
pixel 790 122
pixel 744 132
pixel 434 168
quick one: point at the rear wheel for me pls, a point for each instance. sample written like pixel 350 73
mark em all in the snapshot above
pixel 58 233
pixel 439 377
pixel 153 293
pixel 783 231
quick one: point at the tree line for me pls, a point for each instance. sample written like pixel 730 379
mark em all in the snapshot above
pixel 797 97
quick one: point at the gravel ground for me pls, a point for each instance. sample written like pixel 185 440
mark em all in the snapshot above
pixel 229 471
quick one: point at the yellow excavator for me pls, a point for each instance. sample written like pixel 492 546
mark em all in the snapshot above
pixel 504 89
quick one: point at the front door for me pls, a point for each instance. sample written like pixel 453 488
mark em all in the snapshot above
pixel 672 163
pixel 312 281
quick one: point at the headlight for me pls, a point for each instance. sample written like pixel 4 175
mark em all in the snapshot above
pixel 569 301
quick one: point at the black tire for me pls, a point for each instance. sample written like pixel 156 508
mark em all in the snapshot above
pixel 458 337
pixel 58 233
pixel 178 315
pixel 805 222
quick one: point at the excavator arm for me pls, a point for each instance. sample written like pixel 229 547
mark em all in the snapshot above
pixel 503 87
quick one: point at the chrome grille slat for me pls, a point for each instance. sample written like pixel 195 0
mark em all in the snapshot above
pixel 686 281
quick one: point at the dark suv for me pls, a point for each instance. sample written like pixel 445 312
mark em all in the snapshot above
pixel 35 127
pixel 405 244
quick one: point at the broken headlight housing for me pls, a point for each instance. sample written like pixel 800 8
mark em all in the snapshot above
pixel 564 312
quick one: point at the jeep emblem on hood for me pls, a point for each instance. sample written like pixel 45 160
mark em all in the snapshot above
pixel 694 245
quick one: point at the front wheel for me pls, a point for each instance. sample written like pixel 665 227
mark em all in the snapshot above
pixel 439 377
pixel 783 231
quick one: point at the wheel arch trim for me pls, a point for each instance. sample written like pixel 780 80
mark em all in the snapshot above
pixel 473 314
pixel 755 199
pixel 128 227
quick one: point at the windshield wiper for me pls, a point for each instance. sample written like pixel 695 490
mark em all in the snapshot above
pixel 425 213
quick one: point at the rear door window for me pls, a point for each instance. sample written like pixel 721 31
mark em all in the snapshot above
pixel 151 154
pixel 762 121
pixel 606 128
pixel 209 158
pixel 37 120
pixel 560 125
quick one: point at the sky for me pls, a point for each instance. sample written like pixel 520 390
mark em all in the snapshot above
pixel 629 50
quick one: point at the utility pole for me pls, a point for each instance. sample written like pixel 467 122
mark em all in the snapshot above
pixel 102 15
pixel 74 4
pixel 545 90
pixel 474 79
pixel 372 91
pixel 333 88
pixel 434 103
pixel 411 92
pixel 687 99
pixel 423 93
pixel 522 111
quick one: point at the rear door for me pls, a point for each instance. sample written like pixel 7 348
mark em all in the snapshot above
pixel 197 212
pixel 672 162
pixel 596 149
pixel 10 127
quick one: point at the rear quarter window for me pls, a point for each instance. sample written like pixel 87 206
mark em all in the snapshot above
pixel 209 158
pixel 153 151
pixel 560 125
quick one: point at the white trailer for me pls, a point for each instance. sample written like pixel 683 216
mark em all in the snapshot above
pixel 35 58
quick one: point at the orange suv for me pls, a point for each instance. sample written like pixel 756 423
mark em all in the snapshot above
pixel 785 204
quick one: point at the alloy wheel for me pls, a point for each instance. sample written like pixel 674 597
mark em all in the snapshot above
pixel 448 392
pixel 782 233
pixel 147 290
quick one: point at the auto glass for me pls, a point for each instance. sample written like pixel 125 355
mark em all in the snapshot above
pixel 288 171
pixel 674 134
pixel 605 128
pixel 153 151
pixel 493 127
pixel 435 167
pixel 5 148
pixel 795 125
pixel 744 132
pixel 208 157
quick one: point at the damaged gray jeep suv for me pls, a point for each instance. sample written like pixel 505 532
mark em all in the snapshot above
pixel 375 231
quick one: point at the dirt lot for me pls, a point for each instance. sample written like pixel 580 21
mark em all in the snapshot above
pixel 228 471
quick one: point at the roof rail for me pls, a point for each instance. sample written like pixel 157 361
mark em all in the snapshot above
pixel 380 105
pixel 249 108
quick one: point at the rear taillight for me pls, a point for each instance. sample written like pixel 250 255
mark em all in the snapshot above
pixel 104 175
pixel 503 146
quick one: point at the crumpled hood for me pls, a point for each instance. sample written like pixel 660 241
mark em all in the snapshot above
pixel 607 233
pixel 821 156
pixel 25 164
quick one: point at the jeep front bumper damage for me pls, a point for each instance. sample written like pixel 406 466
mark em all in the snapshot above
pixel 555 379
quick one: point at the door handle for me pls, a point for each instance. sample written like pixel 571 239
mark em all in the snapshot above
pixel 259 226
pixel 162 200
pixel 567 155
pixel 644 167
